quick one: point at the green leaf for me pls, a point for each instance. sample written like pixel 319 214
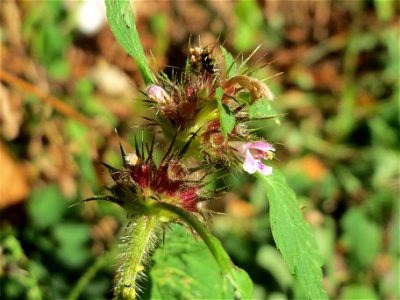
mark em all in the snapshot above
pixel 362 237
pixel 79 134
pixel 244 285
pixel 184 268
pixel 229 61
pixel 71 240
pixel 249 20
pixel 71 234
pixel 261 109
pixel 46 206
pixel 226 116
pixel 122 22
pixel 385 9
pixel 182 259
pixel 293 236
pixel 358 291
pixel 269 258
pixel 234 279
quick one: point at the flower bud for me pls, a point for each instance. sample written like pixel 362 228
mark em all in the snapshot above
pixel 217 140
pixel 190 92
pixel 132 159
pixel 203 93
pixel 189 199
pixel 187 110
pixel 158 94
pixel 141 175
pixel 176 171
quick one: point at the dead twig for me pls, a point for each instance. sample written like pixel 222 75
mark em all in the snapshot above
pixel 57 104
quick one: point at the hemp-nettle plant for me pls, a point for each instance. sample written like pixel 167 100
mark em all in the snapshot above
pixel 204 115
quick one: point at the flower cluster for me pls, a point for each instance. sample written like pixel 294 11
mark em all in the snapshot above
pixel 141 181
pixel 204 115
pixel 190 106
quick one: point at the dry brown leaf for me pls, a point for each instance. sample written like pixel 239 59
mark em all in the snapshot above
pixel 11 113
pixel 13 184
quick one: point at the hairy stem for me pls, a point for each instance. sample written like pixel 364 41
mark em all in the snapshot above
pixel 138 241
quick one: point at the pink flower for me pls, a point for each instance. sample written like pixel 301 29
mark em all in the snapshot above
pixel 254 152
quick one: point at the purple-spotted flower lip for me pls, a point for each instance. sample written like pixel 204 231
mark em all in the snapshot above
pixel 254 152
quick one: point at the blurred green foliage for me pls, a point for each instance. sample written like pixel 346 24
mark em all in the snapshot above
pixel 338 144
pixel 46 29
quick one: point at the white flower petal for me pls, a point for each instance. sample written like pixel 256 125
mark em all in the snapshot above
pixel 250 165
pixel 265 170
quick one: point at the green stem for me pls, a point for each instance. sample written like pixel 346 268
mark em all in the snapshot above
pixel 89 274
pixel 139 240
pixel 212 242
